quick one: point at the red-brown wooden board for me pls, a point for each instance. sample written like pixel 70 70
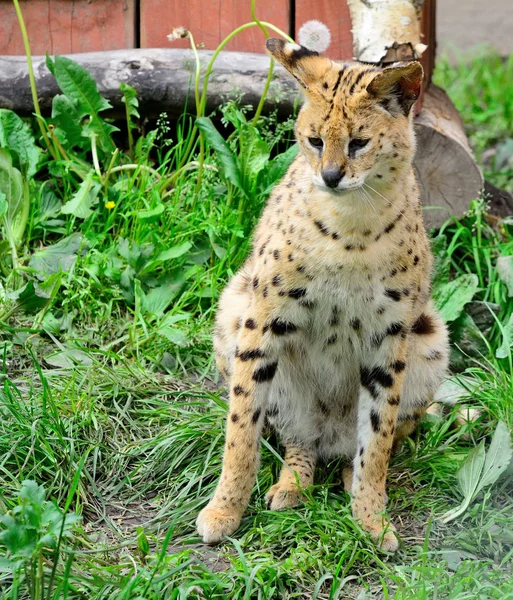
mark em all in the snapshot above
pixel 210 22
pixel 335 15
pixel 66 26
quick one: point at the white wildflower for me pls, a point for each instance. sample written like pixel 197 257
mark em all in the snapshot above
pixel 314 35
pixel 178 33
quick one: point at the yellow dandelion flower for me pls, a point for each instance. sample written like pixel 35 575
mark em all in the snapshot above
pixel 110 205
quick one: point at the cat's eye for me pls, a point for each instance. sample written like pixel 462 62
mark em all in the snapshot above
pixel 316 142
pixel 357 144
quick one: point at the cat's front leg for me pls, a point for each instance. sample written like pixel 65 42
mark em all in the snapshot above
pixel 255 364
pixel 381 384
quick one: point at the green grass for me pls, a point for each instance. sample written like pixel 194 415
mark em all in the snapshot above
pixel 109 397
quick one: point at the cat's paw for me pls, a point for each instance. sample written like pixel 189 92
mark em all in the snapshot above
pixel 381 530
pixel 283 496
pixel 214 524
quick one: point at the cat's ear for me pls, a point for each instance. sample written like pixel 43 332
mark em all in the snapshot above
pixel 307 66
pixel 397 87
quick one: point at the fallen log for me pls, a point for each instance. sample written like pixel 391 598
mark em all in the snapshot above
pixel 446 169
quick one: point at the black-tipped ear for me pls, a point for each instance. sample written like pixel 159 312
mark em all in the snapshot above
pixel 305 65
pixel 397 87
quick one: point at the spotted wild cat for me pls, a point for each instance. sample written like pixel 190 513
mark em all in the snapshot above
pixel 328 331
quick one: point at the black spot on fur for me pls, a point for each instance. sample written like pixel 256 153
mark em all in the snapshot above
pixel 322 228
pixel 234 417
pixel 281 327
pixel 238 390
pixel 335 316
pixel 331 340
pixel 307 303
pixel 323 407
pixel 423 325
pixel 301 52
pixel 389 228
pixel 250 354
pixel 434 355
pixel 255 283
pixel 265 373
pixel 355 324
pixel 398 366
pixel 394 400
pixel 362 449
pixel 272 412
pixel 371 378
pixel 335 236
pixel 250 324
pixel 300 269
pixel 276 280
pixel 276 254
pixel 375 421
pixel 394 294
pixel 416 260
pixel 356 81
pixel 395 329
pixel 256 415
pixel 297 293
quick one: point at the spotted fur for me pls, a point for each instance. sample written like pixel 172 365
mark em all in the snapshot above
pixel 328 331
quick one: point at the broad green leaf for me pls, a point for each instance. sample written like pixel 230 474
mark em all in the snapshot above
pixel 58 257
pixel 175 336
pixel 80 205
pixel 156 301
pixel 278 166
pixel 142 542
pixel 32 298
pixel 131 102
pixel 504 349
pixel 78 85
pixel 15 134
pixel 32 492
pixel 254 154
pixel 498 457
pixel 470 472
pixel 151 215
pixel 468 480
pixel 442 259
pixel 224 155
pixel 4 206
pixel 67 122
pixel 69 358
pixel 49 204
pixel 174 252
pixel 166 255
pixel 451 297
pixel 482 469
pixel 15 192
pixel 505 271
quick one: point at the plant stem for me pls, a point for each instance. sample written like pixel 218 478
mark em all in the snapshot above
pixel 32 79
pixel 94 152
pixel 271 69
pixel 210 66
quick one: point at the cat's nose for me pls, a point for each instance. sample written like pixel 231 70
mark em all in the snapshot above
pixel 332 176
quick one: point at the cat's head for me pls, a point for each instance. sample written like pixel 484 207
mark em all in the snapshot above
pixel 355 125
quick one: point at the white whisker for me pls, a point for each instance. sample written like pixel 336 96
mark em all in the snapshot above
pixel 384 198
